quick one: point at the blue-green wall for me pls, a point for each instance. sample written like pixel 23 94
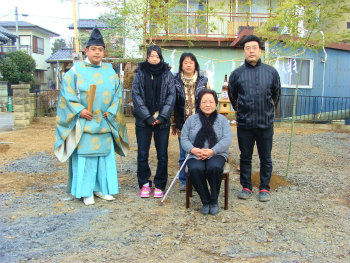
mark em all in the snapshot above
pixel 221 57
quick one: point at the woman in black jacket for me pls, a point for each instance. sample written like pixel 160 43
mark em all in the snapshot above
pixel 153 96
pixel 188 82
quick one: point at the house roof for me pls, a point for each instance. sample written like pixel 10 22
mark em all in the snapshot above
pixel 7 33
pixel 246 32
pixel 89 24
pixel 341 46
pixel 26 25
pixel 3 38
pixel 239 39
pixel 63 54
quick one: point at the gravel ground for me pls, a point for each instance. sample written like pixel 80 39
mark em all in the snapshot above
pixel 307 220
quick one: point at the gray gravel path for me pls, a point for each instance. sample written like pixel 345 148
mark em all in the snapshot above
pixel 308 221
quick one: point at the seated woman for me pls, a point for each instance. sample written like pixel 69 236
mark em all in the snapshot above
pixel 206 136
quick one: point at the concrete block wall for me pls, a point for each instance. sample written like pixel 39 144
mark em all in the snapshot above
pixel 21 105
pixel 3 94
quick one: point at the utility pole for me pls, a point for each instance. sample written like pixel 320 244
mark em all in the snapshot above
pixel 17 40
pixel 77 53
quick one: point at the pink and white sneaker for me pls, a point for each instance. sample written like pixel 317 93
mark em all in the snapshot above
pixel 158 193
pixel 145 191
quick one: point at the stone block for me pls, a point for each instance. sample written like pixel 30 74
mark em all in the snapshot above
pixel 26 115
pixel 19 116
pixel 27 107
pixel 19 108
pixel 17 101
pixel 21 86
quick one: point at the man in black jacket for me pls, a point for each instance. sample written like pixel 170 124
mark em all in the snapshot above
pixel 254 90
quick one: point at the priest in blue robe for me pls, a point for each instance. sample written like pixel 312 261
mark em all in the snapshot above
pixel 90 139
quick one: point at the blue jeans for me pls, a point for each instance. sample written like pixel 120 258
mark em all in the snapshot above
pixel 161 141
pixel 182 175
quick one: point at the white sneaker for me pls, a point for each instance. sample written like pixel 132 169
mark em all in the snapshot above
pixel 89 200
pixel 104 197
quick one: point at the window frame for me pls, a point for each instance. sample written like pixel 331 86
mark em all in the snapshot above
pixel 311 73
pixel 36 49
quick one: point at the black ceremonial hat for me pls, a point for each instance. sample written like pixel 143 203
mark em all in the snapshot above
pixel 96 38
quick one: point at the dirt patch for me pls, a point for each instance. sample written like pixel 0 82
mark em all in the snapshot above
pixel 275 182
pixel 4 148
pixel 307 219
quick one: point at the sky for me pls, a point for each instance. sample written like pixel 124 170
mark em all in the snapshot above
pixel 54 15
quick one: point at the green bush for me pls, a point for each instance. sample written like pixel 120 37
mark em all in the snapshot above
pixel 9 70
pixel 17 67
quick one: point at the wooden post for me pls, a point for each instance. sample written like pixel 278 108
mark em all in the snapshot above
pixel 76 40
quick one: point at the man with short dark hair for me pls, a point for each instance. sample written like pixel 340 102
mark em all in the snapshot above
pixel 254 90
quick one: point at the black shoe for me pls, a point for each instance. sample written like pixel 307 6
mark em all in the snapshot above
pixel 205 209
pixel 214 209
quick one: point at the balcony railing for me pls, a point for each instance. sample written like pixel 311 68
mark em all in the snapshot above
pixel 6 49
pixel 221 25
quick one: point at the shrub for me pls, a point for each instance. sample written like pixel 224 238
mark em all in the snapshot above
pixel 17 66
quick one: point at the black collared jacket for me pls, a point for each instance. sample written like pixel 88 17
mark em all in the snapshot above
pixel 254 93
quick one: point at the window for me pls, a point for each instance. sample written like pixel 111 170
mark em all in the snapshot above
pixel 38 45
pixel 39 75
pixel 195 24
pixel 288 70
pixel 194 21
pixel 254 6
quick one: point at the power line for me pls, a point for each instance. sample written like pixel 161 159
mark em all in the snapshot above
pixel 5 15
pixel 53 17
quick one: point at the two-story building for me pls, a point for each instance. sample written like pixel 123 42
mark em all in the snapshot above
pixel 218 48
pixel 35 41
pixel 218 45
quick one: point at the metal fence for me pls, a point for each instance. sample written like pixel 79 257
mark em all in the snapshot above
pixel 46 102
pixel 313 108
pixel 127 102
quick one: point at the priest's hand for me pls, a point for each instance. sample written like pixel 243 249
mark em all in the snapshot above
pixel 86 114
pixel 105 115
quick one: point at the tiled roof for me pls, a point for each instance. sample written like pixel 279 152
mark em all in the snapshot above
pixel 26 25
pixel 63 54
pixel 3 38
pixel 7 33
pixel 88 24
pixel 13 24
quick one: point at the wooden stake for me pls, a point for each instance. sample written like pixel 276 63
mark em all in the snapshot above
pixel 92 91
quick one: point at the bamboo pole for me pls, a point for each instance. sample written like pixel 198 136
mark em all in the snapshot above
pixel 76 35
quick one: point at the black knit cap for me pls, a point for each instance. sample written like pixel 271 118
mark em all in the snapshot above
pixel 95 39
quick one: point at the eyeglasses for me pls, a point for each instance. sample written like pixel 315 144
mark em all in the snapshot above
pixel 248 48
